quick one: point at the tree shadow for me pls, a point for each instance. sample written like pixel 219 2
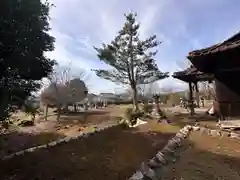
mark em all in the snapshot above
pixel 115 153
pixel 89 112
pixel 16 141
pixel 88 118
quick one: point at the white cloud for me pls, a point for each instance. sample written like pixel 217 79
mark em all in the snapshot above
pixel 88 23
pixel 78 25
pixel 63 56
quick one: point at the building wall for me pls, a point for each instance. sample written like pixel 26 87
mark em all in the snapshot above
pixel 228 93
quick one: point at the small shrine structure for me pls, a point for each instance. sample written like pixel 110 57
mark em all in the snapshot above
pixel 192 76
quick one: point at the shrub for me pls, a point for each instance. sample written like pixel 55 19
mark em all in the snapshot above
pixel 26 123
pixel 147 108
pixel 131 116
pixel 31 109
pixel 5 124
pixel 163 114
pixel 128 113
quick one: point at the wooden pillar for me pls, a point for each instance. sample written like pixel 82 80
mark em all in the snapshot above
pixel 197 94
pixel 191 99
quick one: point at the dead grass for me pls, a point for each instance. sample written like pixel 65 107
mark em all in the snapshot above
pixel 182 119
pixel 16 141
pixel 45 131
pixel 207 158
pixel 112 154
pixel 116 153
pixel 201 119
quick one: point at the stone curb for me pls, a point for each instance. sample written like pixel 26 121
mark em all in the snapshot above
pixel 56 142
pixel 217 133
pixel 152 170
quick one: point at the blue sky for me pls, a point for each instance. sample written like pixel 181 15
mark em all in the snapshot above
pixel 182 25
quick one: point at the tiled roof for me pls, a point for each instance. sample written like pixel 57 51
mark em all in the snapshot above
pixel 232 42
pixel 192 74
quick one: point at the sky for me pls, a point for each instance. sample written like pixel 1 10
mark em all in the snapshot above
pixel 182 25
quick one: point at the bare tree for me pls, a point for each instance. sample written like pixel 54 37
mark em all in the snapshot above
pixel 63 75
pixel 207 89
pixel 60 90
pixel 148 90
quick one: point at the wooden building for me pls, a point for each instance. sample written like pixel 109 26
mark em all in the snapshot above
pixel 192 76
pixel 223 61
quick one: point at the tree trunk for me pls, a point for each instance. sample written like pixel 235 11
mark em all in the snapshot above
pixel 159 112
pixel 33 117
pixel 75 108
pixel 46 112
pixel 4 104
pixel 85 106
pixel 58 113
pixel 202 101
pixel 65 109
pixel 158 109
pixel 135 98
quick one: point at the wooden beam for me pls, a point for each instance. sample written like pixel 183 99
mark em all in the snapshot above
pixel 227 70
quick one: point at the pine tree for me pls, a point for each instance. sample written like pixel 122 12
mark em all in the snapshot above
pixel 131 59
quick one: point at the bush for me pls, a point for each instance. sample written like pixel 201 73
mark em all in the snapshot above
pixel 26 123
pixel 128 113
pixel 163 114
pixel 147 108
pixel 131 116
pixel 31 109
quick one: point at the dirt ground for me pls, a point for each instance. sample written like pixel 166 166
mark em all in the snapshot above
pixel 181 117
pixel 207 158
pixel 19 138
pixel 113 154
pixel 117 152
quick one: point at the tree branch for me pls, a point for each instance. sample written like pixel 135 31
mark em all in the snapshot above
pixel 113 76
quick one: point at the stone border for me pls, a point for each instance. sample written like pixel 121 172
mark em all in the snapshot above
pixel 59 141
pixel 56 142
pixel 216 132
pixel 152 170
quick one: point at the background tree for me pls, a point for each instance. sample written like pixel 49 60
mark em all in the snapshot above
pixel 63 75
pixel 148 90
pixel 23 40
pixel 132 60
pixel 65 88
pixel 207 90
pixel 31 108
pixel 58 95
